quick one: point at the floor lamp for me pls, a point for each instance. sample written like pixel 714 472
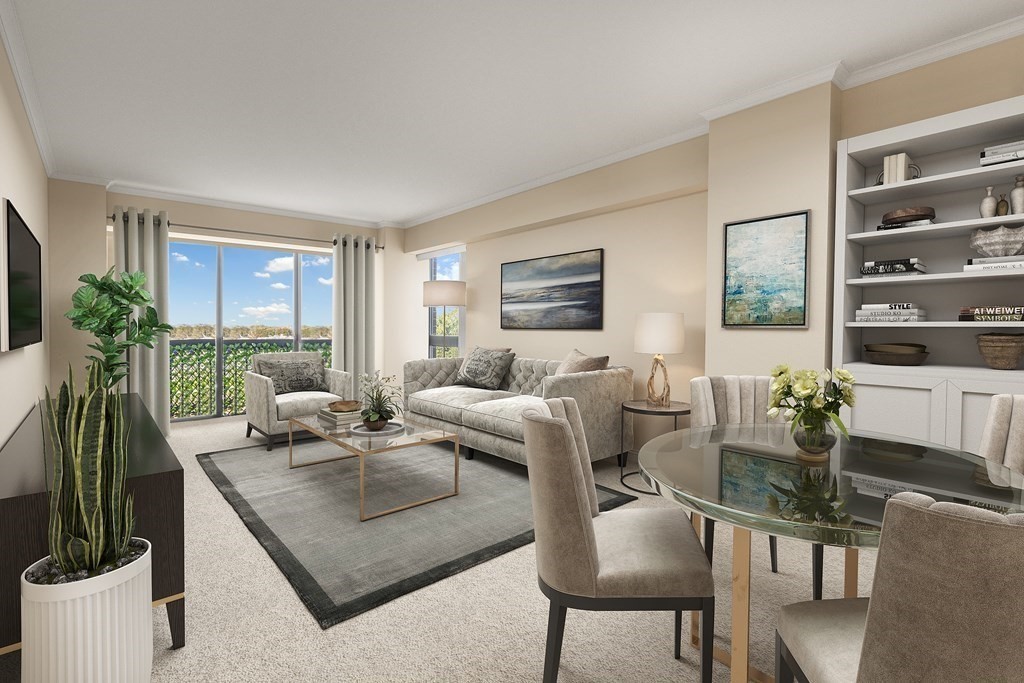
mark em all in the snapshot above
pixel 444 293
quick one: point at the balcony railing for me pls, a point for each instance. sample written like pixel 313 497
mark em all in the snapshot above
pixel 194 381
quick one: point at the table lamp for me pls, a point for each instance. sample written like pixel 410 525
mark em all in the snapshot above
pixel 659 333
pixel 444 293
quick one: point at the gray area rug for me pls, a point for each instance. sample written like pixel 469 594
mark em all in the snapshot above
pixel 307 519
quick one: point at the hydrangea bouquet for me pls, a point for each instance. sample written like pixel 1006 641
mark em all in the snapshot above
pixel 811 400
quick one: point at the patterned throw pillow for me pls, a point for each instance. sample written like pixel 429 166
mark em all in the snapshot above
pixel 577 361
pixel 290 374
pixel 484 368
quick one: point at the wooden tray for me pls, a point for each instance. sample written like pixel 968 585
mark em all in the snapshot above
pixel 912 213
pixel 881 358
pixel 896 347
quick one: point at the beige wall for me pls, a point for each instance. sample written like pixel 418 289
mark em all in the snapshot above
pixel 771 159
pixel 23 372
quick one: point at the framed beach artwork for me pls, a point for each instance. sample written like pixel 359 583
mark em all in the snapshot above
pixel 746 480
pixel 766 272
pixel 563 292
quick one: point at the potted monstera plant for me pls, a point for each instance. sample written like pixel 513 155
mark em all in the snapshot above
pixel 86 609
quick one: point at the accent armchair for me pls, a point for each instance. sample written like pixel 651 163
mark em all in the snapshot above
pixel 945 604
pixel 1002 444
pixel 268 413
pixel 629 560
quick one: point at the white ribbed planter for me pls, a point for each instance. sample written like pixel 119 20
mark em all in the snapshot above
pixel 96 630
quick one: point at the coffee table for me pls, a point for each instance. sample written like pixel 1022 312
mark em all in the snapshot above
pixel 413 434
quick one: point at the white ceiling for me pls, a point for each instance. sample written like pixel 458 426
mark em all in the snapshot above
pixel 391 112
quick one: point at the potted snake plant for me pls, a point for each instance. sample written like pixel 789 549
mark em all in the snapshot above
pixel 86 609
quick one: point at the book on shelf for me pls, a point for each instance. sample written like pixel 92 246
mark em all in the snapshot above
pixel 889 307
pixel 1005 147
pixel 908 224
pixel 893 268
pixel 877 488
pixel 908 273
pixel 890 314
pixel 893 262
pixel 903 163
pixel 991 310
pixel 1007 265
pixel 1001 158
pixel 986 318
pixel 892 319
pixel 994 259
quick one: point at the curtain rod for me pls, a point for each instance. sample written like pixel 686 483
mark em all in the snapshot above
pixel 172 224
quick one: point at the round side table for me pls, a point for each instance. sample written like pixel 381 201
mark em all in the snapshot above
pixel 674 409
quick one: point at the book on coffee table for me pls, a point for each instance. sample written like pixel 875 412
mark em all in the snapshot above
pixel 335 419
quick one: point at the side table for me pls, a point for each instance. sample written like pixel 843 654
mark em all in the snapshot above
pixel 674 409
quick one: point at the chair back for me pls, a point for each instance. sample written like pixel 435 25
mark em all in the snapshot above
pixel 1003 440
pixel 945 602
pixel 734 400
pixel 257 358
pixel 564 497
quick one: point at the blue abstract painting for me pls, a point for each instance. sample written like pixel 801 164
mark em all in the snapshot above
pixel 766 272
pixel 747 479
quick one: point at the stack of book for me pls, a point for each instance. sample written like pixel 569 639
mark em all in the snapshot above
pixel 896 168
pixel 891 313
pixel 994 263
pixel 900 266
pixel 907 224
pixel 1000 154
pixel 992 313
pixel 333 420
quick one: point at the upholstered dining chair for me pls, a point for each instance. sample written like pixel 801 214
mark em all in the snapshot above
pixel 1002 444
pixel 945 604
pixel 737 400
pixel 629 560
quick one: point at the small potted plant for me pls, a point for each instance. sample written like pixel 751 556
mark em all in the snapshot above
pixel 811 400
pixel 88 605
pixel 380 400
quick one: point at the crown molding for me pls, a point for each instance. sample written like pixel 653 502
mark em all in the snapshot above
pixel 788 86
pixel 76 178
pixel 159 193
pixel 934 53
pixel 17 53
pixel 593 164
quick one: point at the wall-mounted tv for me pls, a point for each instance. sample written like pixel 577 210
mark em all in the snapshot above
pixel 23 286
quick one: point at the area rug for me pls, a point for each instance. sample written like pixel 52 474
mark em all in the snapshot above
pixel 307 518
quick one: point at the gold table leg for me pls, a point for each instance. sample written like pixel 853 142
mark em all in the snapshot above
pixel 851 565
pixel 740 655
pixel 362 471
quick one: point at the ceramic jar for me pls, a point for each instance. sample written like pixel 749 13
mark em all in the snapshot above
pixel 1017 196
pixel 1003 206
pixel 988 204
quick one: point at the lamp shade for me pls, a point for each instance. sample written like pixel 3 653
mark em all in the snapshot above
pixel 444 293
pixel 659 333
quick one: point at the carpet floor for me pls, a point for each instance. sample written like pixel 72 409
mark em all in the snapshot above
pixel 245 623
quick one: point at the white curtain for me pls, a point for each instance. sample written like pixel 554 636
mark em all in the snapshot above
pixel 352 348
pixel 140 243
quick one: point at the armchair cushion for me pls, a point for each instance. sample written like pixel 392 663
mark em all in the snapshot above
pixel 484 368
pixel 302 403
pixel 825 637
pixel 291 374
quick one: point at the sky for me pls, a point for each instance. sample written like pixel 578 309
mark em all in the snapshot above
pixel 258 286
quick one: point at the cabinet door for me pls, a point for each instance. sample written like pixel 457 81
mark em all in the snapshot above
pixel 967 409
pixel 913 407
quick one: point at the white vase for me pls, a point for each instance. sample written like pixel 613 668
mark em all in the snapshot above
pixel 1017 196
pixel 96 629
pixel 988 204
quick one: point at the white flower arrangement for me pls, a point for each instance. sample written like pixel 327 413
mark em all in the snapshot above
pixel 811 398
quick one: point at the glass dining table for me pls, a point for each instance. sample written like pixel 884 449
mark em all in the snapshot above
pixel 753 478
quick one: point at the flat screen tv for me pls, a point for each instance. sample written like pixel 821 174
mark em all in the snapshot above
pixel 24 282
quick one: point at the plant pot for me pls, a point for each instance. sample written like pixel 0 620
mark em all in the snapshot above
pixel 376 425
pixel 96 629
pixel 814 440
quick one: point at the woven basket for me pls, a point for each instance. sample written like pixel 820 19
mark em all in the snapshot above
pixel 1001 351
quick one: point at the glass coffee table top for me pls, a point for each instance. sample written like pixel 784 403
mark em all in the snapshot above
pixel 411 434
pixel 750 476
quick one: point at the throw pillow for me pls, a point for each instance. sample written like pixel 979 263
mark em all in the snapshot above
pixel 291 374
pixel 484 368
pixel 577 361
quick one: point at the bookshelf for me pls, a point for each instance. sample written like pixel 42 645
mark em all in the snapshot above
pixel 946 399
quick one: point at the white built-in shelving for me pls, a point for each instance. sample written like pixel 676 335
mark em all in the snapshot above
pixel 944 400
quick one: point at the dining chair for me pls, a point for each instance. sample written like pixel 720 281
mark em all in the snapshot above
pixel 734 400
pixel 945 604
pixel 624 560
pixel 1002 444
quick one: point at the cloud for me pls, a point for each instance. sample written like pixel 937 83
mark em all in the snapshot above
pixel 234 303
pixel 279 285
pixel 265 311
pixel 282 264
pixel 326 280
pixel 259 274
pixel 317 261
pixel 179 257
pixel 199 265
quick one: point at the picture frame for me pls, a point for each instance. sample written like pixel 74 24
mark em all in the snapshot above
pixel 745 479
pixel 764 283
pixel 559 292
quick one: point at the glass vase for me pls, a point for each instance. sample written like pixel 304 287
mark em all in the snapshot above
pixel 815 437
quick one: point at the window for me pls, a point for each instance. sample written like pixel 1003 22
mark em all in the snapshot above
pixel 445 331
pixel 228 303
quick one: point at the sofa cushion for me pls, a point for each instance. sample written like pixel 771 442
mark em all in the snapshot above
pixel 291 374
pixel 484 368
pixel 446 403
pixel 577 361
pixel 302 403
pixel 526 374
pixel 503 416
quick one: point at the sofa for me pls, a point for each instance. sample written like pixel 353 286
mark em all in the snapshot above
pixel 268 412
pixel 491 420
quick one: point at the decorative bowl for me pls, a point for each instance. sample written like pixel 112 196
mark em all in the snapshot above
pixel 882 358
pixel 911 213
pixel 344 406
pixel 1001 241
pixel 1001 351
pixel 896 347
